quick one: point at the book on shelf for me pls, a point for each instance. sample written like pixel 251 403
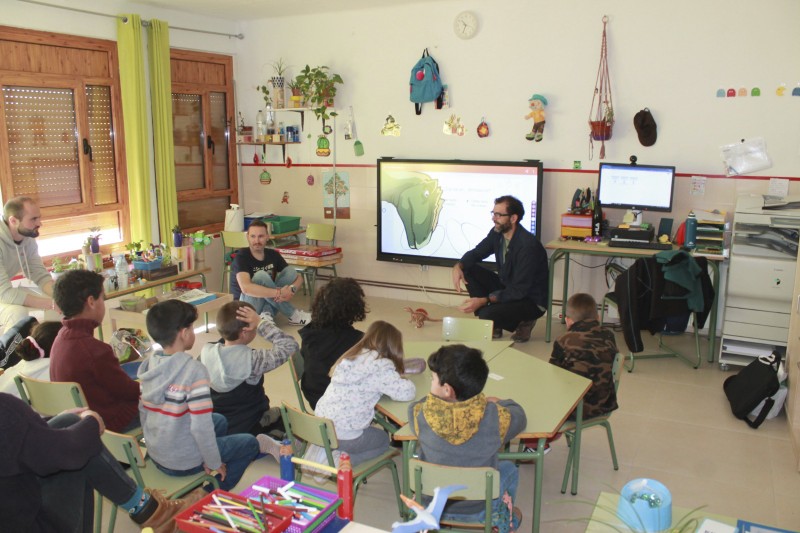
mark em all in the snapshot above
pixel 196 297
pixel 308 250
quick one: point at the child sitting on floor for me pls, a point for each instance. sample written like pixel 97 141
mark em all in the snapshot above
pixel 237 370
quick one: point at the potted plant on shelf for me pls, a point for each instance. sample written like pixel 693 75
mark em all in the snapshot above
pixel 297 95
pixel 177 236
pixel 93 240
pixel 318 87
pixel 602 129
pixel 134 248
pixel 277 82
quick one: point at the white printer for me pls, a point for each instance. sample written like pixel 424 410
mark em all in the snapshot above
pixel 763 260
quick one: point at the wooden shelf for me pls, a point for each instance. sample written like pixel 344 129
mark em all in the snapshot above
pixel 282 144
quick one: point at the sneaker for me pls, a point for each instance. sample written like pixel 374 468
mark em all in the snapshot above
pixel 162 517
pixel 529 449
pixel 497 333
pixel 269 446
pixel 300 318
pixel 523 331
pixel 516 514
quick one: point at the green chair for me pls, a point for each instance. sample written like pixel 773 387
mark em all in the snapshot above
pixel 296 365
pixel 483 483
pixel 317 235
pixel 568 429
pixel 231 240
pixel 610 300
pixel 316 430
pixel 126 449
pixel 466 329
pixel 49 398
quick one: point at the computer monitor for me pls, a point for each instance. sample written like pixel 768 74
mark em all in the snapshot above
pixel 636 188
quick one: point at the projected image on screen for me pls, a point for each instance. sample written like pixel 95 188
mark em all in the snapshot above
pixel 432 212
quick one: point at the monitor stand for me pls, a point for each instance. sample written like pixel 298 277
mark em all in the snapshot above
pixel 635 217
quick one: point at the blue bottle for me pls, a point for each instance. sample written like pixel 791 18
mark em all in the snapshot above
pixel 287 468
pixel 691 231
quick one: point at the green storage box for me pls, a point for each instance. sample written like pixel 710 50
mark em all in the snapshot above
pixel 282 224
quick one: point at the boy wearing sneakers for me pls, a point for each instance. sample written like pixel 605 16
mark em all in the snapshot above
pixel 457 425
pixel 183 435
pixel 237 370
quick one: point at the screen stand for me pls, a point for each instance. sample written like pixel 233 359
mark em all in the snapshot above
pixel 635 217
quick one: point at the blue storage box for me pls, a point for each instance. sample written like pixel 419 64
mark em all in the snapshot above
pixel 146 265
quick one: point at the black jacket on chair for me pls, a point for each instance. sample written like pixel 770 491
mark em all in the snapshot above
pixel 645 298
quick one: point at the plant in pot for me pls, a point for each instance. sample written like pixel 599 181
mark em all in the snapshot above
pixel 277 82
pixel 177 236
pixel 93 240
pixel 602 129
pixel 318 87
pixel 134 248
pixel 297 95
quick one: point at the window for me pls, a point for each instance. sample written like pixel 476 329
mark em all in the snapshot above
pixel 205 161
pixel 61 135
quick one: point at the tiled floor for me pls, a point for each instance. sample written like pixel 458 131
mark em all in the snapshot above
pixel 673 425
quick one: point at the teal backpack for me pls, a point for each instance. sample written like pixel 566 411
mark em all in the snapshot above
pixel 426 83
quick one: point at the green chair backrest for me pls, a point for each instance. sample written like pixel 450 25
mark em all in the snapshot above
pixel 310 428
pixel 321 232
pixel 234 239
pixel 616 368
pixel 49 398
pixel 466 329
pixel 481 482
pixel 296 365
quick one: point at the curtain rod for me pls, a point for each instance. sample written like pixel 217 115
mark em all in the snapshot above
pixel 125 19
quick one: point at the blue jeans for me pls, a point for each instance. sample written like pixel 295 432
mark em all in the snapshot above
pixel 509 479
pixel 236 451
pixel 262 277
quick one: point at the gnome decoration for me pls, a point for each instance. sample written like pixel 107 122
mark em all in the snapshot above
pixel 537 102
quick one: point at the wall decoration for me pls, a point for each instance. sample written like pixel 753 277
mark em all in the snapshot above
pixel 285 199
pixel 453 126
pixel 755 92
pixel 781 89
pixel 323 146
pixel 720 93
pixel 483 128
pixel 289 161
pixel 742 91
pixel 265 177
pixel 336 206
pixel 601 114
pixel 536 103
pixel 796 91
pixel 731 93
pixel 310 179
pixel 390 127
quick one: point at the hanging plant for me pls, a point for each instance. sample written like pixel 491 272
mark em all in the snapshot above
pixel 601 114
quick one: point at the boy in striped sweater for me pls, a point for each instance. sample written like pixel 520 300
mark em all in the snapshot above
pixel 183 434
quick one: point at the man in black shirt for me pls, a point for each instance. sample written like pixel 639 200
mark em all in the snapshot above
pixel 260 276
pixel 516 295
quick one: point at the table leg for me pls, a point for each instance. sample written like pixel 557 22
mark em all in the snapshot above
pixel 565 295
pixel 406 484
pixel 712 319
pixel 537 485
pixel 550 280
pixel 576 450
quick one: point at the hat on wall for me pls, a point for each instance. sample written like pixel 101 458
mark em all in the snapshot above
pixel 645 127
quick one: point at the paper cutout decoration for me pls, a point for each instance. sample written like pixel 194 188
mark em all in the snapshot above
pixel 742 91
pixel 483 128
pixel 285 199
pixel 781 89
pixel 310 179
pixel 731 93
pixel 453 126
pixel 265 178
pixel 720 93
pixel 755 92
pixel 390 127
pixel 796 91
pixel 323 146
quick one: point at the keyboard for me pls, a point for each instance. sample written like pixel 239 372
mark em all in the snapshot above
pixel 632 243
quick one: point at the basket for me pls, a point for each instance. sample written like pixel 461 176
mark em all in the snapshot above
pixel 147 265
pixel 283 224
pixel 601 129
pixel 300 525
pixel 130 344
pixel 185 521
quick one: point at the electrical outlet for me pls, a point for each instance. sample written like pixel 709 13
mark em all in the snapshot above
pixel 423 268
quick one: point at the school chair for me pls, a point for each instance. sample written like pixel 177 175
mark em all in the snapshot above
pixel 126 449
pixel 568 429
pixel 296 366
pixel 466 329
pixel 311 429
pixel 317 235
pixel 49 398
pixel 232 240
pixel 483 483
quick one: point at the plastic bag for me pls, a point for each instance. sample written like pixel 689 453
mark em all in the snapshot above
pixel 745 157
pixel 130 344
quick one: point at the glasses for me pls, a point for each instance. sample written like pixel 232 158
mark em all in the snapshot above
pixel 495 214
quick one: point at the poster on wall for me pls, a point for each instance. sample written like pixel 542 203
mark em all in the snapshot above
pixel 336 206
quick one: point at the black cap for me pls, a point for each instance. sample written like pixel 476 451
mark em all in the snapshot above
pixel 645 127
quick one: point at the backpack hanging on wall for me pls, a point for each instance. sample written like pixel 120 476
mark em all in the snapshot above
pixel 426 83
pixel 755 383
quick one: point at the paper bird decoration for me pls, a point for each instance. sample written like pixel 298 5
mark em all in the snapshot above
pixel 426 517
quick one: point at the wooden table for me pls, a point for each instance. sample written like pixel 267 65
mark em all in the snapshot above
pixel 563 250
pixel 310 265
pixel 547 393
pixel 180 276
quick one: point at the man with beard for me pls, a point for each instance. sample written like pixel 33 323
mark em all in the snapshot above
pixel 19 254
pixel 516 295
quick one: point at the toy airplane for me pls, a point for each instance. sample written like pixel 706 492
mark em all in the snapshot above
pixel 426 517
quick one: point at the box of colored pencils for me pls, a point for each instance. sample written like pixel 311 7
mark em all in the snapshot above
pixel 224 511
pixel 312 508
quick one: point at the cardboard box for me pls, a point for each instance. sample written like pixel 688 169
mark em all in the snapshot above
pixel 156 274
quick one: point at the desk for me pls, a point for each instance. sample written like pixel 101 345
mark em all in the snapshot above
pixel 547 393
pixel 563 249
pixel 294 236
pixel 141 318
pixel 201 272
pixel 310 265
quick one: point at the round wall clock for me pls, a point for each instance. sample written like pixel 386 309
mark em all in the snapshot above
pixel 465 25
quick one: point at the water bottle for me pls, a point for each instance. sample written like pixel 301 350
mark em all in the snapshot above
pixel 597 219
pixel 121 268
pixel 691 231
pixel 287 468
pixel 261 127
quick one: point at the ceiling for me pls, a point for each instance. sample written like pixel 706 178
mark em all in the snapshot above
pixel 256 9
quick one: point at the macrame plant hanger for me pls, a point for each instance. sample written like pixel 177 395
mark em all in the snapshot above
pixel 601 114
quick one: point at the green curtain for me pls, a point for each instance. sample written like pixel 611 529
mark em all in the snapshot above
pixel 134 110
pixel 164 148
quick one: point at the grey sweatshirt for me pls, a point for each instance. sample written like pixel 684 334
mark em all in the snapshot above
pixel 175 411
pixel 16 258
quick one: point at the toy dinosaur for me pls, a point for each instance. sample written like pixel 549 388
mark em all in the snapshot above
pixel 419 316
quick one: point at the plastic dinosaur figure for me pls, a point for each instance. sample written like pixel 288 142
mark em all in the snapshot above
pixel 419 316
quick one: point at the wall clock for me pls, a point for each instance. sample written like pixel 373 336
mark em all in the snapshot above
pixel 465 25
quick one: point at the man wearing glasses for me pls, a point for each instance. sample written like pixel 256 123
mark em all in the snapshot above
pixel 516 295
